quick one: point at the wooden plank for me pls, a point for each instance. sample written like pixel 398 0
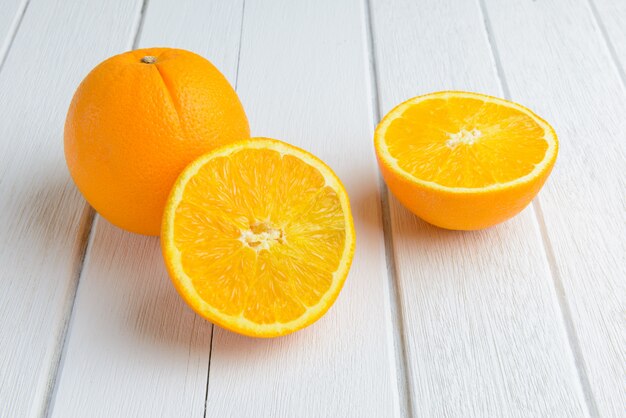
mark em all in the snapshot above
pixel 562 68
pixel 303 79
pixel 483 330
pixel 43 220
pixel 211 29
pixel 11 12
pixel 611 20
pixel 134 348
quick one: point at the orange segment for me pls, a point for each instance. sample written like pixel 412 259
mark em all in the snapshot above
pixel 258 237
pixel 464 160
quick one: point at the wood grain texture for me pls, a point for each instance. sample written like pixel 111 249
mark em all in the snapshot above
pixel 562 68
pixel 482 323
pixel 43 219
pixel 302 79
pixel 11 12
pixel 525 319
pixel 134 348
pixel 611 20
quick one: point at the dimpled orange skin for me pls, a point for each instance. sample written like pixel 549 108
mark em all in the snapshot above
pixel 134 125
pixel 462 211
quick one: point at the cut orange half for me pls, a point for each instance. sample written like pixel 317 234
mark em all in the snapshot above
pixel 464 160
pixel 258 237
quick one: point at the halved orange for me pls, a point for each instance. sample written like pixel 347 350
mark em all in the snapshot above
pixel 258 237
pixel 463 160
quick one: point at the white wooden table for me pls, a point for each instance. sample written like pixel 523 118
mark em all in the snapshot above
pixel 527 319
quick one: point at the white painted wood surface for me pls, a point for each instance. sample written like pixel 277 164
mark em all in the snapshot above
pixel 134 345
pixel 43 219
pixel 302 79
pixel 524 319
pixel 134 349
pixel 610 17
pixel 572 81
pixel 483 331
pixel 11 12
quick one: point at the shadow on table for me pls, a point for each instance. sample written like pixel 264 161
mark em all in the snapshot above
pixel 416 242
pixel 126 278
pixel 368 210
pixel 141 286
pixel 48 211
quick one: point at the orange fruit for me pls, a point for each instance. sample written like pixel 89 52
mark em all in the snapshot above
pixel 258 237
pixel 136 121
pixel 464 160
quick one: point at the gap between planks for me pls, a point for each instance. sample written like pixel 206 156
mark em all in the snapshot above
pixel 139 24
pixel 86 238
pixel 208 372
pixel 607 41
pixel 395 302
pixel 548 251
pixel 19 16
pixel 86 241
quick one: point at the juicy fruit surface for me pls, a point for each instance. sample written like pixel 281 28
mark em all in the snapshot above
pixel 258 237
pixel 465 142
pixel 464 160
pixel 135 123
pixel 468 141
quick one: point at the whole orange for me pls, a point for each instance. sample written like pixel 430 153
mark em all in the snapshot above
pixel 136 121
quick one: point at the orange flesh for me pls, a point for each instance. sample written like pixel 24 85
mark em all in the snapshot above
pixel 260 234
pixel 464 142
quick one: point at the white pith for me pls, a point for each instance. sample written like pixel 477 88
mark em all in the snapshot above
pixel 390 161
pixel 463 137
pixel 239 322
pixel 261 236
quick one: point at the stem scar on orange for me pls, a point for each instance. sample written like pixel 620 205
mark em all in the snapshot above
pixel 136 121
pixel 258 237
pixel 463 160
